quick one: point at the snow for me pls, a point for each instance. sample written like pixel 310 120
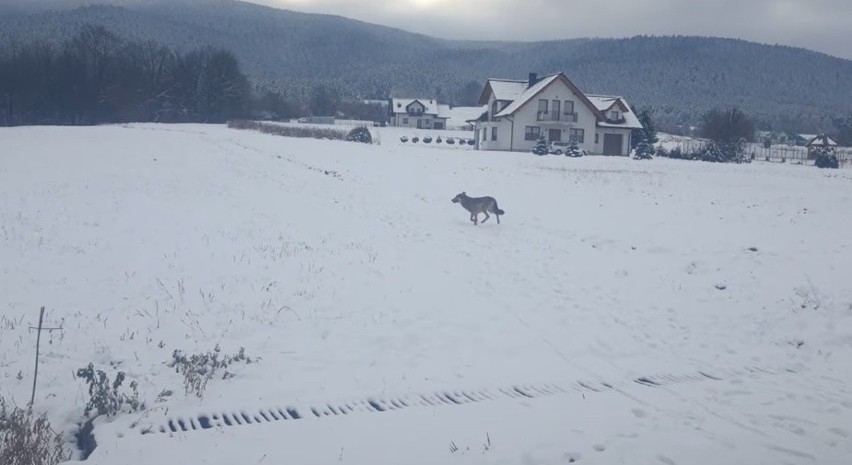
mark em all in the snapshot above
pixel 662 311
pixel 507 89
pixel 605 102
pixel 527 94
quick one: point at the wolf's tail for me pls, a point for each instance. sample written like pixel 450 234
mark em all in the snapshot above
pixel 500 212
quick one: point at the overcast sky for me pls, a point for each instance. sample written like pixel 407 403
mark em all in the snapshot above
pixel 822 25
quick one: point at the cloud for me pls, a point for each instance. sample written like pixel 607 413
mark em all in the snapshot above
pixel 821 25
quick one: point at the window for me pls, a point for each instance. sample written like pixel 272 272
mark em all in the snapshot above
pixel 494 133
pixel 613 115
pixel 554 135
pixel 542 106
pixel 569 107
pixel 556 110
pixel 405 121
pixel 495 108
pixel 484 132
pixel 597 139
pixel 577 135
pixel 532 133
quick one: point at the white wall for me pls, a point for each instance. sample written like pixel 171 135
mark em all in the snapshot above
pixel 397 120
pixel 513 139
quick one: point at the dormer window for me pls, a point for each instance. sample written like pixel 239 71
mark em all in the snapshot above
pixel 614 115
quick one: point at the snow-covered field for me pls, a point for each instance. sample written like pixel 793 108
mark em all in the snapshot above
pixel 623 312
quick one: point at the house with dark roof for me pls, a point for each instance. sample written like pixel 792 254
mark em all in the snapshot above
pixel 519 112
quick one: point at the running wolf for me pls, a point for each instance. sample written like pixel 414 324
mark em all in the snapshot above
pixel 477 205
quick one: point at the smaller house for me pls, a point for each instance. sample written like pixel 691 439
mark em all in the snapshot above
pixel 417 113
pixel 818 143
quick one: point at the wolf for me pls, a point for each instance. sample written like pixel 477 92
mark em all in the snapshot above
pixel 477 205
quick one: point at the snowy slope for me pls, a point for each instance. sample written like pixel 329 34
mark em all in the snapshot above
pixel 357 282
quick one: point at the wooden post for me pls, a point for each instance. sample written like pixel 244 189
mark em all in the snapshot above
pixel 38 342
pixel 39 329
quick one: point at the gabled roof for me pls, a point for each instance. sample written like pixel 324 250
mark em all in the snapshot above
pixel 542 84
pixel 605 102
pixel 822 140
pixel 503 89
pixel 400 105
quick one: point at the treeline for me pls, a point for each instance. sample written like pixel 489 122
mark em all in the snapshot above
pixel 98 77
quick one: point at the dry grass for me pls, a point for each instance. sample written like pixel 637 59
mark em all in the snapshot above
pixel 290 131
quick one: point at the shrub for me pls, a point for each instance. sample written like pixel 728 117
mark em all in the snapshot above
pixel 199 369
pixel 471 142
pixel 540 147
pixel 451 141
pixel 415 140
pixel 644 150
pixel 403 139
pixel 573 150
pixel 28 439
pixel 438 140
pixel 290 131
pixel 104 395
pixel 360 134
pixel 826 158
pixel 427 140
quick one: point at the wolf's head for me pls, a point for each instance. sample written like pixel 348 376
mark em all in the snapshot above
pixel 458 198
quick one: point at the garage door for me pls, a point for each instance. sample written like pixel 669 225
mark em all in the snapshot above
pixel 612 144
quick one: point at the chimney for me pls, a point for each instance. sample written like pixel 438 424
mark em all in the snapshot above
pixel 532 80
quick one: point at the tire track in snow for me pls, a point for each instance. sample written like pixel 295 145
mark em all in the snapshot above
pixel 242 417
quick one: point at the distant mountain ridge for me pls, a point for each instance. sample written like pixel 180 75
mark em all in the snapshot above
pixel 680 77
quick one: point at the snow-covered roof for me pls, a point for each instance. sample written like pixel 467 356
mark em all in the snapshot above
pixel 400 105
pixel 527 94
pixel 507 89
pixel 605 102
pixel 459 116
pixel 822 140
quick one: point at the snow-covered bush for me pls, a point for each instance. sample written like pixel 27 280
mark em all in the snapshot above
pixel 360 134
pixel 644 150
pixel 199 369
pixel 452 141
pixel 403 139
pixel 825 158
pixel 540 147
pixel 104 395
pixel 573 150
pixel 415 139
pixel 28 439
pixel 438 140
pixel 427 140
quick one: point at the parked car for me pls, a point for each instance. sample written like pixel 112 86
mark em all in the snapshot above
pixel 561 147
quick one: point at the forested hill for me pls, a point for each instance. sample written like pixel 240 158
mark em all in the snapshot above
pixel 680 77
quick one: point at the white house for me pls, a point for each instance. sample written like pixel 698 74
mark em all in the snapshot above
pixel 417 113
pixel 520 112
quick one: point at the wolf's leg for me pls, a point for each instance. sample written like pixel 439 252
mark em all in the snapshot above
pixel 486 216
pixel 475 218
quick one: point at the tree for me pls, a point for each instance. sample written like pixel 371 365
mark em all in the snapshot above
pixel 728 130
pixel 825 158
pixel 844 129
pixel 324 100
pixel 647 133
pixel 540 147
pixel 468 94
pixel 644 151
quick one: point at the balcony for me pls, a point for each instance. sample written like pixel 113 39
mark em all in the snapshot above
pixel 556 118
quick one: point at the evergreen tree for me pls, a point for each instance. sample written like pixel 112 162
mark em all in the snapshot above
pixel 644 150
pixel 540 147
pixel 573 150
pixel 825 158
pixel 648 131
